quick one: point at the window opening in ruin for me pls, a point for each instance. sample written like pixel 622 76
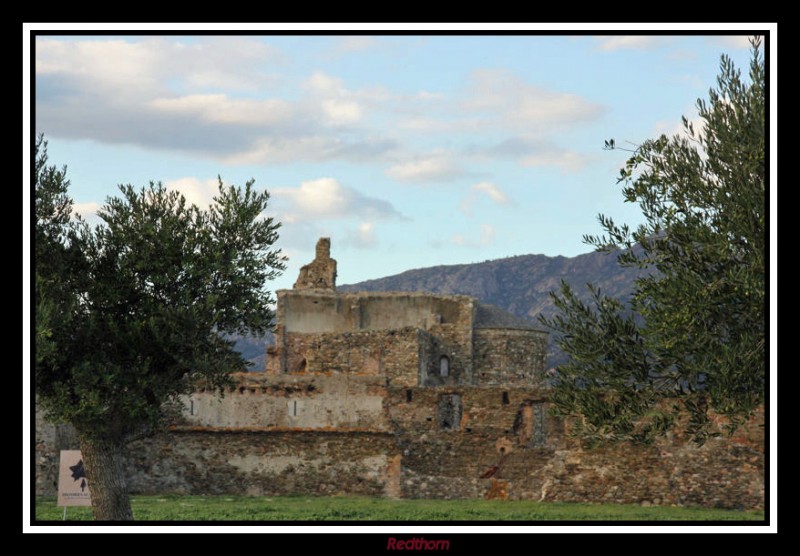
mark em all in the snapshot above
pixel 505 398
pixel 302 367
pixel 294 408
pixel 409 396
pixel 444 366
pixel 448 411
pixel 191 407
pixel 529 424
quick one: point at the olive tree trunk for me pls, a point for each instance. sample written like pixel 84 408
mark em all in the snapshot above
pixel 105 471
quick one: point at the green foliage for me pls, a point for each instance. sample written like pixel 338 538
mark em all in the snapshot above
pixel 693 336
pixel 352 508
pixel 130 313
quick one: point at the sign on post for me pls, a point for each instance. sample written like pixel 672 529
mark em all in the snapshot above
pixel 73 488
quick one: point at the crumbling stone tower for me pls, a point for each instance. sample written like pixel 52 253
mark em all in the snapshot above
pixel 319 274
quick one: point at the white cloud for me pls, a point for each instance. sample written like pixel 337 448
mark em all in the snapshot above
pixel 186 95
pixel 533 151
pixel 565 160
pixel 86 210
pixel 738 41
pixel 425 95
pixel 341 112
pixel 320 198
pixel 424 124
pixel 312 148
pixel 356 44
pixel 124 67
pixel 220 108
pixel 437 167
pixel 311 209
pixel 629 42
pixel 493 192
pixel 143 66
pixel 490 190
pixel 500 94
pixel 196 191
pixel 327 84
pixel 675 127
pixel 213 98
pixel 363 236
pixel 326 198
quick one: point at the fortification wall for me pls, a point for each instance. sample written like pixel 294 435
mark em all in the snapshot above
pixel 443 442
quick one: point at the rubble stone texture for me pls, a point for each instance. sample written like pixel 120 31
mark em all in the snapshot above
pixel 411 395
pixel 320 274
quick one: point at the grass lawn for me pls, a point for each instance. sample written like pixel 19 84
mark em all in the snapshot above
pixel 341 508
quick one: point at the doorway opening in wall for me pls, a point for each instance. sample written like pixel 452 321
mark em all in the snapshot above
pixel 444 366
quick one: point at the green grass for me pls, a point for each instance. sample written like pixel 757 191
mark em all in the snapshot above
pixel 341 508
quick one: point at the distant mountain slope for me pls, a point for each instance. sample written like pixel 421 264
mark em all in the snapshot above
pixel 520 284
pixel 253 349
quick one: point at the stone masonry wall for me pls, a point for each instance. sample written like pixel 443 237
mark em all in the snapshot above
pixel 49 441
pixel 291 402
pixel 512 358
pixel 454 341
pixel 262 463
pixel 445 442
pixel 507 446
pixel 394 355
pixel 327 332
pixel 488 441
pixel 314 311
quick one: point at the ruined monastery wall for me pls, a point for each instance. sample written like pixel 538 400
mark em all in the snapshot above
pixel 410 395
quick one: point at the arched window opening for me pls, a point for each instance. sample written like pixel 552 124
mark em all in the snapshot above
pixel 444 366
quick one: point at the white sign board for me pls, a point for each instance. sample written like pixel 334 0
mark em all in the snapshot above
pixel 73 488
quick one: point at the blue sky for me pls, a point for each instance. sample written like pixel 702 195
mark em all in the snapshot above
pixel 407 150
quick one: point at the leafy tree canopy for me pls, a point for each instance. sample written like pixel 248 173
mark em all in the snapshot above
pixel 692 338
pixel 130 313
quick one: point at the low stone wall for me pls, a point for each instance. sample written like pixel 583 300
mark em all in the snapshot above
pixel 438 442
pixel 506 445
pixel 262 463
pixel 719 474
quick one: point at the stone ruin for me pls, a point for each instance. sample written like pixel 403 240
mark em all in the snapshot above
pixel 320 274
pixel 411 395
